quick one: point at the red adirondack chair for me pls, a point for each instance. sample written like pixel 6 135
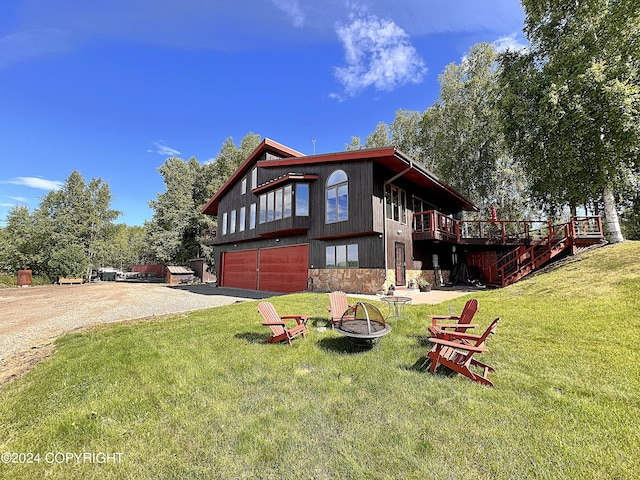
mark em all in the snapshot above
pixel 278 326
pixel 339 305
pixel 456 350
pixel 462 323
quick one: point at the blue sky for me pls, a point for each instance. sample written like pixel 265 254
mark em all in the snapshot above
pixel 111 88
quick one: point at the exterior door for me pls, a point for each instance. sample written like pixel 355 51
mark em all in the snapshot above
pixel 401 264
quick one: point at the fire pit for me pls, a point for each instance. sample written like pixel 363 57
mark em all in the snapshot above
pixel 362 324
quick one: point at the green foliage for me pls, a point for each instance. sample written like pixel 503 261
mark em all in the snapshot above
pixel 70 229
pixel 406 133
pixel 68 261
pixel 18 247
pixel 571 102
pixel 12 280
pixel 175 231
pixel 76 220
pixel 631 220
pixel 462 139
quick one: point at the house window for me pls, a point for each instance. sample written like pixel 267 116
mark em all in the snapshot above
pixel 224 223
pixel 252 216
pixel 254 178
pixel 286 206
pixel 270 204
pixel 263 208
pixel 278 214
pixel 277 204
pixel 243 214
pixel 342 256
pixel 302 200
pixel 396 203
pixel 337 197
pixel 243 188
pixel 232 225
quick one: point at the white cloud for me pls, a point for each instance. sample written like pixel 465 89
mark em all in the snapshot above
pixel 378 53
pixel 293 11
pixel 20 199
pixel 37 182
pixel 18 46
pixel 510 42
pixel 165 150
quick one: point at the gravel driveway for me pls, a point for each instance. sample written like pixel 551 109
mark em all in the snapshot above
pixel 32 318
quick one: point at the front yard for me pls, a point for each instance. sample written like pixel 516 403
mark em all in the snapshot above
pixel 200 395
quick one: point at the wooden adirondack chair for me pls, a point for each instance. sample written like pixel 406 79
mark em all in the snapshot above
pixel 339 305
pixel 278 325
pixel 463 322
pixel 456 350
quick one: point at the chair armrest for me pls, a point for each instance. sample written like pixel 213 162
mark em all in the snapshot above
pixel 461 346
pixel 443 317
pixel 298 318
pixel 273 322
pixel 459 335
pixel 456 325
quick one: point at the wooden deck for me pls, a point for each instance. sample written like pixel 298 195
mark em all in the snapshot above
pixel 534 242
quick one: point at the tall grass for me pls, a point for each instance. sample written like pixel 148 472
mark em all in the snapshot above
pixel 201 395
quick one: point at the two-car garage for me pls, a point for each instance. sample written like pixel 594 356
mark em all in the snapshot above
pixel 276 269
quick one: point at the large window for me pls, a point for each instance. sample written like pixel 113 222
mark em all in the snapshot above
pixel 278 215
pixel 302 200
pixel 337 197
pixel 254 178
pixel 252 216
pixel 243 214
pixel 270 210
pixel 263 208
pixel 276 205
pixel 232 223
pixel 396 203
pixel 286 202
pixel 224 223
pixel 342 256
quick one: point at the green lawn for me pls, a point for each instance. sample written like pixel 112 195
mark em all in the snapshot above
pixel 200 395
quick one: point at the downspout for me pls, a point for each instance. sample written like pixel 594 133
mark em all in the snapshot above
pixel 384 216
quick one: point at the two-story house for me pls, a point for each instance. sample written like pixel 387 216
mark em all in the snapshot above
pixel 340 221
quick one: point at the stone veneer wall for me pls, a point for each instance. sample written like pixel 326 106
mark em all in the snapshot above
pixel 364 280
pixel 351 280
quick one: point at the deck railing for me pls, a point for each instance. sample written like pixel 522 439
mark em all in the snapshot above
pixel 586 227
pixel 504 231
pixel 440 226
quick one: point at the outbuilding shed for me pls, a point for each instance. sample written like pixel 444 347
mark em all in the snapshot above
pixel 176 275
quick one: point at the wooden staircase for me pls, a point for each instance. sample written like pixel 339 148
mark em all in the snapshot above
pixel 525 259
pixel 534 243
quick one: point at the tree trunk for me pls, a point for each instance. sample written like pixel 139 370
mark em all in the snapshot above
pixel 611 216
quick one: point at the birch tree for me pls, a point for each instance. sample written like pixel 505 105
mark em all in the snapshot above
pixel 571 102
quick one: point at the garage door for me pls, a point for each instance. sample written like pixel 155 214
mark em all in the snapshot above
pixel 284 269
pixel 240 269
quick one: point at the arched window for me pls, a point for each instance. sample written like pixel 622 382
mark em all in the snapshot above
pixel 337 197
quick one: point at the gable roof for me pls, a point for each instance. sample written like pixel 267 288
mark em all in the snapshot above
pixel 211 208
pixel 390 157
